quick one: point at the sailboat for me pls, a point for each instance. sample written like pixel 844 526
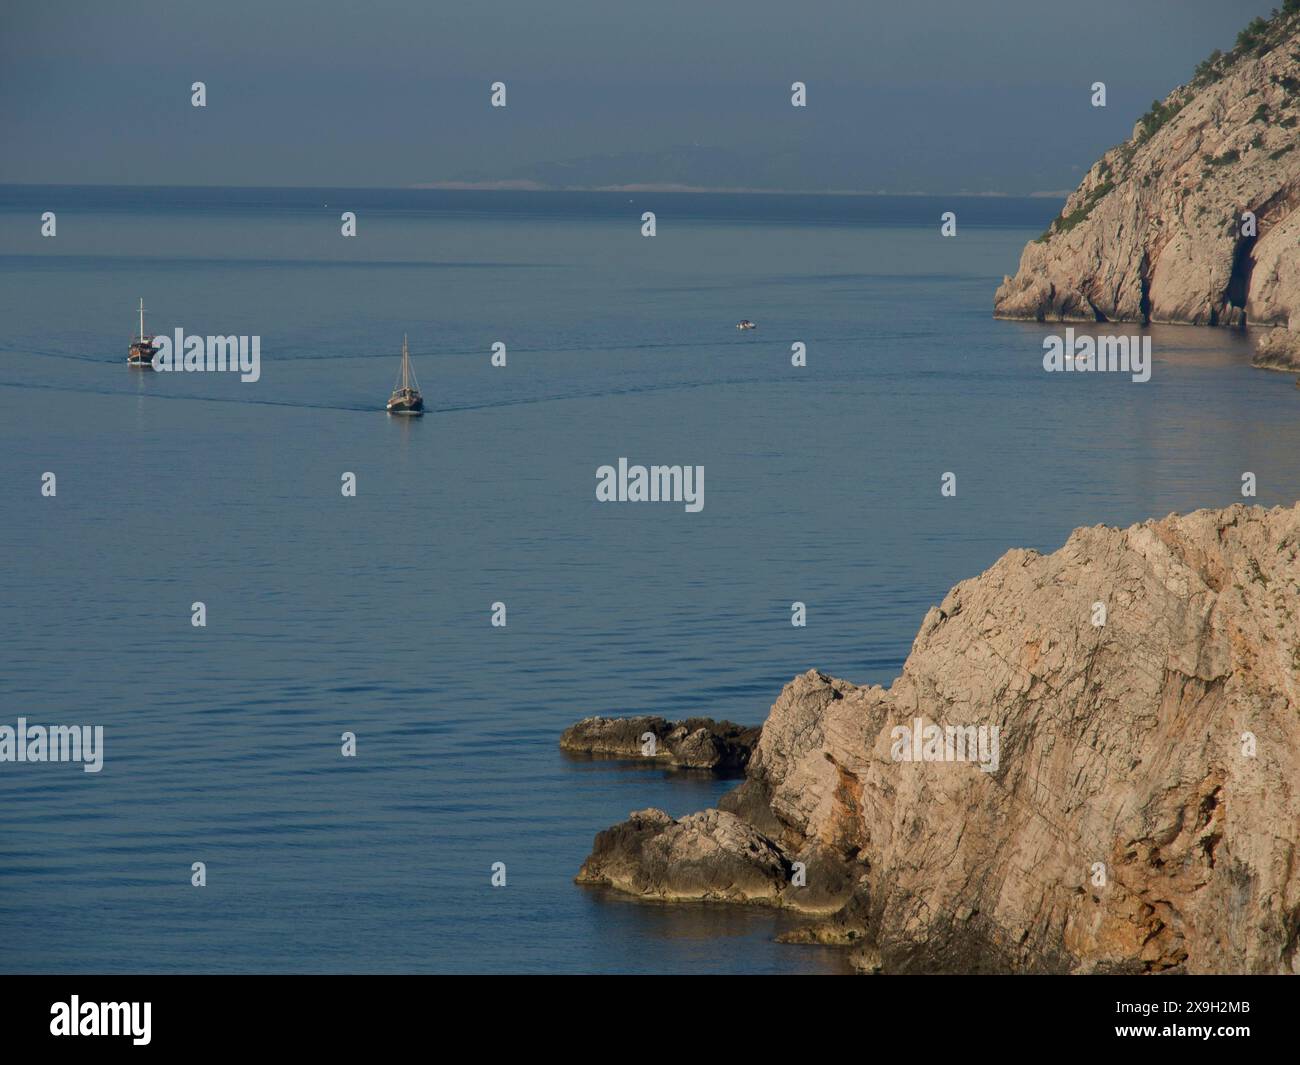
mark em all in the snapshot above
pixel 406 398
pixel 141 352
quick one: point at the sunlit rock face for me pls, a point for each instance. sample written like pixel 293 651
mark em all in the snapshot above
pixel 1193 219
pixel 1136 810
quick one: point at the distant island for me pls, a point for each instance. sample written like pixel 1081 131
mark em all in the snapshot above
pixel 1193 219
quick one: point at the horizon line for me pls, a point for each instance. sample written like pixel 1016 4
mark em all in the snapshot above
pixel 526 186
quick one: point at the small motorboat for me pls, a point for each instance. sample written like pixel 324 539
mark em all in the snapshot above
pixel 745 323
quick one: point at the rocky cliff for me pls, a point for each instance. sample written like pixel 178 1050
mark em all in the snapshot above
pixel 1137 808
pixel 1157 232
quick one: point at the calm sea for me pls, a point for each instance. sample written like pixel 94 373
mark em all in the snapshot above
pixel 371 614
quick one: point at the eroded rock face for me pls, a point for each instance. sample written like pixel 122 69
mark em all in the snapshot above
pixel 1155 230
pixel 696 743
pixel 1144 811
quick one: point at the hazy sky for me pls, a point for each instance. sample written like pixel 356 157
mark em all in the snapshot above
pixel 904 95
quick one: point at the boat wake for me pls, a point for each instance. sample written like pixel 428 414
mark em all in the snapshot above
pixel 559 397
pixel 27 352
pixel 42 386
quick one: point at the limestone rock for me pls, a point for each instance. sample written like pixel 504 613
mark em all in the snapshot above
pixel 1278 349
pixel 1154 233
pixel 696 743
pixel 1142 815
pixel 707 856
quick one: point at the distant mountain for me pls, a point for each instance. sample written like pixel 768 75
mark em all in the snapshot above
pixel 776 169
pixel 690 166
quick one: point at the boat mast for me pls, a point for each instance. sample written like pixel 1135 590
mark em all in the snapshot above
pixel 141 317
pixel 406 365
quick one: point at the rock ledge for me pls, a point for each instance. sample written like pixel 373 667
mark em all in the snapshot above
pixel 696 743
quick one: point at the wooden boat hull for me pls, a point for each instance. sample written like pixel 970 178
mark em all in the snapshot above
pixel 406 406
pixel 141 356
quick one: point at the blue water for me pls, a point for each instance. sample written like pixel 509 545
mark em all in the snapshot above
pixel 371 614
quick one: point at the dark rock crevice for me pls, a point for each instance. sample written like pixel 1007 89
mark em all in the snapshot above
pixel 1238 289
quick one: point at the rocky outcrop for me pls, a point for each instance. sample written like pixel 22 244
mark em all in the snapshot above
pixel 1278 349
pixel 709 856
pixel 1136 810
pixel 696 743
pixel 1157 230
